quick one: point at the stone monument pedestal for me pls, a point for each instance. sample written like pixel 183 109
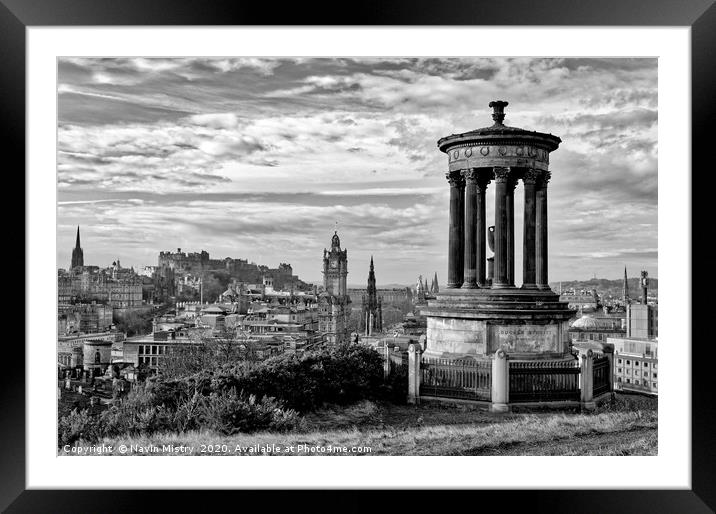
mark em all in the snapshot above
pixel 525 323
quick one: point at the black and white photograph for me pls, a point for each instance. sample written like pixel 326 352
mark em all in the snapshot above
pixel 357 256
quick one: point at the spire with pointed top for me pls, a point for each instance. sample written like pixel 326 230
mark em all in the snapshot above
pixel 435 288
pixel 372 316
pixel 625 288
pixel 77 254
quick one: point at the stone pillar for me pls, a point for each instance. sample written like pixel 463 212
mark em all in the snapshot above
pixel 529 230
pixel 386 361
pixel 456 241
pixel 481 230
pixel 500 382
pixel 414 374
pixel 586 380
pixel 461 232
pixel 510 204
pixel 502 176
pixel 541 244
pixel 470 229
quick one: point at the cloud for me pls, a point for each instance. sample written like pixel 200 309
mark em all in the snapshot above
pixel 260 157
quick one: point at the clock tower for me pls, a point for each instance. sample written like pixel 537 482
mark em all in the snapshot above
pixel 334 302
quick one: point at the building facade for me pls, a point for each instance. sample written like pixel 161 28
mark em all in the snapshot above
pixel 636 365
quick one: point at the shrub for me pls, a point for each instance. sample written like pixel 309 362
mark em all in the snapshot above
pixel 78 424
pixel 242 397
pixel 230 413
pixel 396 387
pixel 340 375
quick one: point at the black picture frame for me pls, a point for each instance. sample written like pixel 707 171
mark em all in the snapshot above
pixel 699 15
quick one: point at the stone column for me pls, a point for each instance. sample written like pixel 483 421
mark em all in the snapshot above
pixel 481 230
pixel 529 232
pixel 414 374
pixel 541 244
pixel 461 232
pixel 470 259
pixel 502 176
pixel 386 361
pixel 510 203
pixel 586 380
pixel 455 244
pixel 500 382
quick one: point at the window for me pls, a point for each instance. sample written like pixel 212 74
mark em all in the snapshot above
pixel 619 379
pixel 636 382
pixel 646 373
pixel 653 385
pixel 619 370
pixel 628 381
pixel 628 363
pixel 646 364
pixel 654 375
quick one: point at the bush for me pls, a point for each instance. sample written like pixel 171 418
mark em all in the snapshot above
pixel 230 413
pixel 340 375
pixel 144 412
pixel 78 424
pixel 242 397
pixel 396 387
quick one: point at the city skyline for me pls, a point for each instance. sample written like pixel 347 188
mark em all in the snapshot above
pixel 259 158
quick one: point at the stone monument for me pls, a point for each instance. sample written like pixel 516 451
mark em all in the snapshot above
pixel 475 316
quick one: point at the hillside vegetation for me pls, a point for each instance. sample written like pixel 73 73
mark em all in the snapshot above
pixel 627 426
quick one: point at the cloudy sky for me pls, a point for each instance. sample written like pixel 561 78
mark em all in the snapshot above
pixel 261 158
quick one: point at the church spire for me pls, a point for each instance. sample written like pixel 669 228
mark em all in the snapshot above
pixel 77 255
pixel 625 289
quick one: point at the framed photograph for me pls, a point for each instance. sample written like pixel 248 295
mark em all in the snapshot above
pixel 433 238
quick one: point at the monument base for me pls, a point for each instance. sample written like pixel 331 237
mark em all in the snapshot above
pixel 525 323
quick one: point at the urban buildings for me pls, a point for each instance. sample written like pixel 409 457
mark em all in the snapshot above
pixel 195 264
pixel 636 359
pixel 88 284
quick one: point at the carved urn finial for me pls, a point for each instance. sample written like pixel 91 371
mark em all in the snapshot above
pixel 498 110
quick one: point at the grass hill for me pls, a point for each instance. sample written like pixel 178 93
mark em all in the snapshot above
pixel 626 426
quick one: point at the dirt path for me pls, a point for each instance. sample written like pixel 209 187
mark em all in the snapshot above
pixel 638 440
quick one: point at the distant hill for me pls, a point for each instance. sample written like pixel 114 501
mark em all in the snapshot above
pixel 607 287
pixel 380 286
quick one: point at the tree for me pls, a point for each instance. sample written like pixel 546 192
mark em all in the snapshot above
pixel 133 323
pixel 207 350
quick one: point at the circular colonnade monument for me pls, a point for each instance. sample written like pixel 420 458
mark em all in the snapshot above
pixel 482 310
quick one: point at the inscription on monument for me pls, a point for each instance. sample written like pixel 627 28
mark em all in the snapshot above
pixel 524 338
